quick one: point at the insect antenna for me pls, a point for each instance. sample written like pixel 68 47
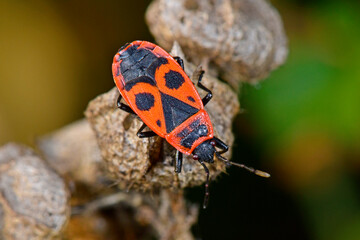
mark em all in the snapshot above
pixel 250 169
pixel 207 192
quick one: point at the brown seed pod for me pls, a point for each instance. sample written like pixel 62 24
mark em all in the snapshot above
pixel 34 200
pixel 243 40
pixel 73 152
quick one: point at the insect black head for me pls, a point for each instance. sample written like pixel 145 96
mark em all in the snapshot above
pixel 205 152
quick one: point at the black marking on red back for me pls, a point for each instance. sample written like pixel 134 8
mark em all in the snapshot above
pixel 142 79
pixel 189 138
pixel 173 79
pixel 138 62
pixel 183 133
pixel 158 122
pixel 191 98
pixel 128 51
pixel 175 111
pixel 139 65
pixel 144 101
pixel 155 65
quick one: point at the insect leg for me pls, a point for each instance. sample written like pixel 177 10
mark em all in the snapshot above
pixel 220 144
pixel 178 161
pixel 147 134
pixel 180 62
pixel 124 107
pixel 207 193
pixel 209 95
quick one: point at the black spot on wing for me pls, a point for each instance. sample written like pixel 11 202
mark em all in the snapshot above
pixel 158 122
pixel 144 101
pixel 175 111
pixel 173 79
pixel 155 65
pixel 142 79
pixel 198 132
pixel 191 99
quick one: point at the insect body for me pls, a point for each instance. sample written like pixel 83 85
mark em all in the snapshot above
pixel 157 89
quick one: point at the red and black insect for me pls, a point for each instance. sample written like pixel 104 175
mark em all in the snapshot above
pixel 157 89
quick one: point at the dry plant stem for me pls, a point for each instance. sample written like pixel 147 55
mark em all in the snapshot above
pixel 243 40
pixel 34 200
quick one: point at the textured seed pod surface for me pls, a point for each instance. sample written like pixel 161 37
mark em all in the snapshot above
pixel 34 202
pixel 73 151
pixel 243 40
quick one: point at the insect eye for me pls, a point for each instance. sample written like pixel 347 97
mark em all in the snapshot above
pixel 195 157
pixel 213 143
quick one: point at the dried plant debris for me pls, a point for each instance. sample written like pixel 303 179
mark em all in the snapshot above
pixel 101 212
pixel 73 151
pixel 169 216
pixel 243 40
pixel 147 164
pixel 135 215
pixel 34 201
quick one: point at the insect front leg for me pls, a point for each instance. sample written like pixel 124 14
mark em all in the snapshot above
pixel 207 192
pixel 209 95
pixel 220 144
pixel 180 62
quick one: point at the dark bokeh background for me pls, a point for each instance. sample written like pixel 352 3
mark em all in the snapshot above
pixel 302 124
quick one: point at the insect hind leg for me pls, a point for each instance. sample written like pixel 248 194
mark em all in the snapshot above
pixel 178 161
pixel 123 106
pixel 147 134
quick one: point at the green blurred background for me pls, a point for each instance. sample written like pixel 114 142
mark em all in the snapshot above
pixel 302 124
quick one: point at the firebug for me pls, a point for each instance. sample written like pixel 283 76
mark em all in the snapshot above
pixel 157 89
